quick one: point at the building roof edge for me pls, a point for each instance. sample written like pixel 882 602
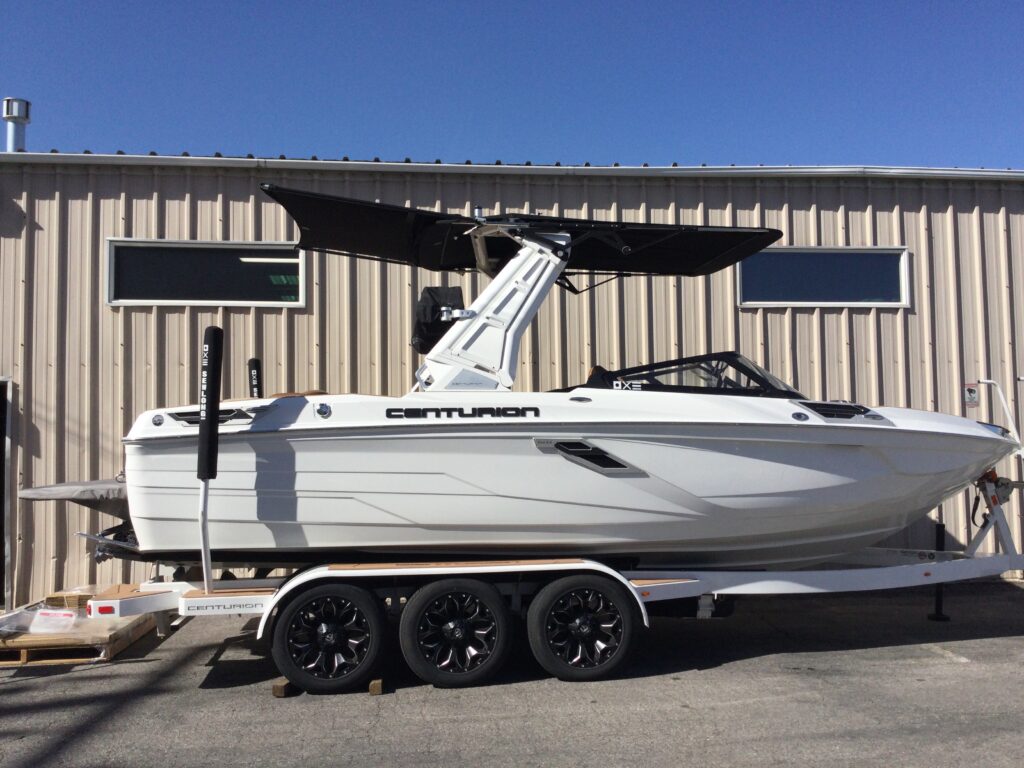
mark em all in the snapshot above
pixel 759 171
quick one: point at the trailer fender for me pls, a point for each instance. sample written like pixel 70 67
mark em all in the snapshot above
pixel 356 573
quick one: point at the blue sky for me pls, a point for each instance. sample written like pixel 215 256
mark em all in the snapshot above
pixel 802 83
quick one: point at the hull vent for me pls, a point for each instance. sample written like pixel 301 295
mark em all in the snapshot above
pixel 585 453
pixel 223 416
pixel 837 410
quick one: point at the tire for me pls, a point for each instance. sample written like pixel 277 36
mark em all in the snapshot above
pixel 328 638
pixel 455 632
pixel 581 627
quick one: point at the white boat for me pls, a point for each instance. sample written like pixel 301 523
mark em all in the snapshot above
pixel 707 461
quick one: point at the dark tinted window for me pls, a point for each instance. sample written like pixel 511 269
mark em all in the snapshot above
pixel 205 274
pixel 825 276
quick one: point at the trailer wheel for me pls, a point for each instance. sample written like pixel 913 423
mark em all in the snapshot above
pixel 328 639
pixel 455 632
pixel 581 627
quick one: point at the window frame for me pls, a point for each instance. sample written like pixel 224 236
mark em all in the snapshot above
pixel 903 303
pixel 257 245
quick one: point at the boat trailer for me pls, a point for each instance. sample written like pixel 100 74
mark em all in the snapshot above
pixel 521 582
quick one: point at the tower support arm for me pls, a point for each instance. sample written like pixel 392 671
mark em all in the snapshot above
pixel 481 352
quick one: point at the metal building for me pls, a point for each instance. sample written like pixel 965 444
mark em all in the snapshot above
pixel 76 365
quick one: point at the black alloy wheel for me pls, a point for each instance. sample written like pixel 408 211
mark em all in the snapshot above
pixel 455 632
pixel 328 639
pixel 581 627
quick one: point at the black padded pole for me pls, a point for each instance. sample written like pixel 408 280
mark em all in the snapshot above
pixel 209 408
pixel 209 401
pixel 255 377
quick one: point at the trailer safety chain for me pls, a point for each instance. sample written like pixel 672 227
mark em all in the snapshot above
pixel 974 509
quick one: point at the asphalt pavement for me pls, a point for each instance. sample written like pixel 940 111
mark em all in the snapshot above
pixel 852 680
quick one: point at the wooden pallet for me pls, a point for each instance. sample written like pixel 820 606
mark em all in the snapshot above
pixel 76 600
pixel 28 650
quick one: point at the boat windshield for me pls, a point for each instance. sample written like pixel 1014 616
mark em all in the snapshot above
pixel 726 373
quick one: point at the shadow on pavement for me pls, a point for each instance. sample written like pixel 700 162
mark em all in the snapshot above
pixel 802 624
pixel 760 626
pixel 98 705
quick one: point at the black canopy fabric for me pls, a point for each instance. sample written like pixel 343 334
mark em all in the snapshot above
pixel 437 240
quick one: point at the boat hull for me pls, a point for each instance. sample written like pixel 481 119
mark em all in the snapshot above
pixel 691 494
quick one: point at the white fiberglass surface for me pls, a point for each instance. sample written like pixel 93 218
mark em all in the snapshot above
pixel 448 409
pixel 730 488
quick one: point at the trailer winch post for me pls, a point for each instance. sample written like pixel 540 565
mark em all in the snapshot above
pixel 209 411
pixel 940 546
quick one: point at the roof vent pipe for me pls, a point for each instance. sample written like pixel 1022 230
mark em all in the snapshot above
pixel 16 115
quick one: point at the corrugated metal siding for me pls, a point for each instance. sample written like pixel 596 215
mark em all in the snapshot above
pixel 82 369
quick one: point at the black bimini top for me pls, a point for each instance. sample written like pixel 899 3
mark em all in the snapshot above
pixel 437 240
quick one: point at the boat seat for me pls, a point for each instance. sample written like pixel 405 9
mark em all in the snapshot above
pixel 598 378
